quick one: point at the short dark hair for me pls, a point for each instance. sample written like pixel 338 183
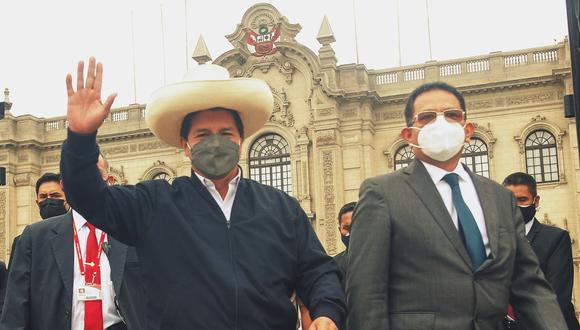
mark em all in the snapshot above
pixel 521 178
pixel 348 207
pixel 438 85
pixel 47 177
pixel 186 123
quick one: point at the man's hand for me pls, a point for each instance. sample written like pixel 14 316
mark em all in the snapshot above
pixel 85 111
pixel 322 323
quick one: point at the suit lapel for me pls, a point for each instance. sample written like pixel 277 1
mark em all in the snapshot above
pixel 536 227
pixel 421 183
pixel 117 257
pixel 490 214
pixel 63 252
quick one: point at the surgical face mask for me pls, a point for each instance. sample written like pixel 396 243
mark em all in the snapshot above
pixel 528 212
pixel 51 207
pixel 441 139
pixel 215 156
pixel 345 239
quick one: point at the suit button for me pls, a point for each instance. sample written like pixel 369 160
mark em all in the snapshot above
pixel 67 314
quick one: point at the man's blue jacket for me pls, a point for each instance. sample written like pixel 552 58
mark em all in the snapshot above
pixel 200 272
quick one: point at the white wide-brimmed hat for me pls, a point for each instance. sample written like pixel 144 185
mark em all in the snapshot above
pixel 206 87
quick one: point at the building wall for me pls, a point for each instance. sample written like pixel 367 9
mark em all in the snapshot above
pixel 342 124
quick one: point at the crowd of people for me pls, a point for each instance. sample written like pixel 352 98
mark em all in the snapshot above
pixel 431 246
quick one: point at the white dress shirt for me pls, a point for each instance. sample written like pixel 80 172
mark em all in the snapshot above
pixel 110 315
pixel 226 203
pixel 528 226
pixel 468 193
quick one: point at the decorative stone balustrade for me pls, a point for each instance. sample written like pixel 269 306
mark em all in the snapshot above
pixel 116 116
pixel 120 115
pixel 489 64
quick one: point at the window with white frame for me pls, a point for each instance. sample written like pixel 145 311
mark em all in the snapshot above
pixel 403 157
pixel 542 156
pixel 269 162
pixel 476 157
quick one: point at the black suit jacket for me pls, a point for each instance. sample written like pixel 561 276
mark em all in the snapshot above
pixel 554 250
pixel 2 283
pixel 40 280
pixel 5 275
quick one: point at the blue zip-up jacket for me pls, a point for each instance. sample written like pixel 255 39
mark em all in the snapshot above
pixel 198 271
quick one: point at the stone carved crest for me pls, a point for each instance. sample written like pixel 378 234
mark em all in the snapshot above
pixel 22 180
pixel 538 117
pixel 281 113
pixel 324 138
pixel 284 67
pixel 260 41
pixel 261 27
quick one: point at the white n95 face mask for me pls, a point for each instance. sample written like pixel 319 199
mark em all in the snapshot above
pixel 440 140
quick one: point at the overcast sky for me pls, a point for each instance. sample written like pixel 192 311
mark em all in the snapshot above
pixel 43 40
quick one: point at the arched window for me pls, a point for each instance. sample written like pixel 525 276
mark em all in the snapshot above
pixel 270 162
pixel 475 156
pixel 162 176
pixel 403 157
pixel 541 156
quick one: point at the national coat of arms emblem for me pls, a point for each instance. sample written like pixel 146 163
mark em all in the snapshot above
pixel 262 43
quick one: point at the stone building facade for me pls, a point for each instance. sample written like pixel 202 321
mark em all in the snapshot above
pixel 333 126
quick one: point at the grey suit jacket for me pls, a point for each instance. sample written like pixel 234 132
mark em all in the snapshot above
pixel 40 280
pixel 410 270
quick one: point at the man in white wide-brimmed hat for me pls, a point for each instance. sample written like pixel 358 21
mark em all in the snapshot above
pixel 219 251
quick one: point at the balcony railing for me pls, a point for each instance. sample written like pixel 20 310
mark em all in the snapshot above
pixel 504 61
pixel 120 115
pixel 52 125
pixel 116 116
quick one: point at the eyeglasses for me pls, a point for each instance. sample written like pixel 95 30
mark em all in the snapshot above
pixel 451 115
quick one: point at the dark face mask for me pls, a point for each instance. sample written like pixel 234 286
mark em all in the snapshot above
pixel 215 156
pixel 528 212
pixel 345 240
pixel 51 207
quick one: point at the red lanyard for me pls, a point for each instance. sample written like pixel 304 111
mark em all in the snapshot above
pixel 78 249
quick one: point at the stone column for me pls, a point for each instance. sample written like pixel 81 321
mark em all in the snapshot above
pixel 302 171
pixel 328 175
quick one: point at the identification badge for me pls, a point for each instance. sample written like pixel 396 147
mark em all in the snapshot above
pixel 89 292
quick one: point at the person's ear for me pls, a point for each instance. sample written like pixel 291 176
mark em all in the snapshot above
pixel 537 201
pixel 469 129
pixel 186 150
pixel 406 134
pixel 110 180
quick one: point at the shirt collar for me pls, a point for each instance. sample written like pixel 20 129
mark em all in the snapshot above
pixel 209 184
pixel 437 173
pixel 78 219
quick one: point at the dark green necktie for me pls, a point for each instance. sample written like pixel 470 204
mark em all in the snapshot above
pixel 467 226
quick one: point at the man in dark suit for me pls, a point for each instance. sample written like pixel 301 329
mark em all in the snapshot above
pixel 50 198
pixel 47 284
pixel 344 220
pixel 51 201
pixel 2 284
pixel 434 246
pixel 552 245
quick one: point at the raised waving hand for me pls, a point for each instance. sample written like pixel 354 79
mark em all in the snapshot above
pixel 85 111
